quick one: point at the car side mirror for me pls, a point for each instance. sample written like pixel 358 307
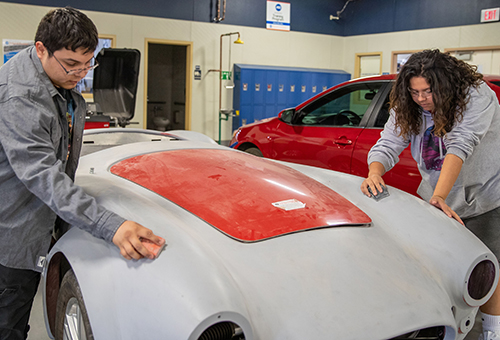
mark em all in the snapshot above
pixel 287 115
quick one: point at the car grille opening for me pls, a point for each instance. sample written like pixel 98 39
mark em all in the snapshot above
pixel 481 279
pixel 223 331
pixel 432 333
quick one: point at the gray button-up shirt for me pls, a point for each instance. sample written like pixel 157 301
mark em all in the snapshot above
pixel 36 178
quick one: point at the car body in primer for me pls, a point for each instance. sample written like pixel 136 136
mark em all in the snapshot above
pixel 259 249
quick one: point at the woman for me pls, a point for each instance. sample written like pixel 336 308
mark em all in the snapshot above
pixel 451 118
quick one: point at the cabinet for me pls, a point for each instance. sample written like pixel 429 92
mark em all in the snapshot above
pixel 263 91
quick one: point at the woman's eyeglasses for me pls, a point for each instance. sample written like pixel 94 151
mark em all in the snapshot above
pixel 425 94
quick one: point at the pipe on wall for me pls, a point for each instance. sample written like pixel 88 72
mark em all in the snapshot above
pixel 218 18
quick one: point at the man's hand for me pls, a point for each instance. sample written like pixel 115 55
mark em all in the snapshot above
pixel 439 203
pixel 127 239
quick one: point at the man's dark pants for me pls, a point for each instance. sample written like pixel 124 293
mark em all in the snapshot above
pixel 17 291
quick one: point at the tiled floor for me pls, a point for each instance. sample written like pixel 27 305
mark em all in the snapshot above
pixel 38 331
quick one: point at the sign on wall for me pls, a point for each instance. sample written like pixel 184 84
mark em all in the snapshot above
pixel 12 46
pixel 491 14
pixel 278 16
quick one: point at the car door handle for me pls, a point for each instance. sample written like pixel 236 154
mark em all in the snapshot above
pixel 343 141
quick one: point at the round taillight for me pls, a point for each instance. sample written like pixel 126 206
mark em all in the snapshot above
pixel 481 280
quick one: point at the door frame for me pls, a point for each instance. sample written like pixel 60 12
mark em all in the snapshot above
pixel 357 62
pixel 472 49
pixel 189 76
pixel 491 49
pixel 394 58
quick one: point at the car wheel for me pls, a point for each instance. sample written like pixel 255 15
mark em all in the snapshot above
pixel 72 321
pixel 254 151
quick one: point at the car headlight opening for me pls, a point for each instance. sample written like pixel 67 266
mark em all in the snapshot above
pixel 223 331
pixel 481 279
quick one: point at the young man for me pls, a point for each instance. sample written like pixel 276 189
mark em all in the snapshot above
pixel 41 128
pixel 451 118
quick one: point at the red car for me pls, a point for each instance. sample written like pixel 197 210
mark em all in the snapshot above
pixel 335 130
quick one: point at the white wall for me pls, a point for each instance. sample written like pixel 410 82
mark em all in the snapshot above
pixel 261 46
pixel 441 38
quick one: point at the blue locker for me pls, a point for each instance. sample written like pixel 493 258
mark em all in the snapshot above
pixel 282 90
pixel 293 89
pixel 271 87
pixel 305 87
pixel 324 82
pixel 244 81
pixel 259 89
pixel 236 121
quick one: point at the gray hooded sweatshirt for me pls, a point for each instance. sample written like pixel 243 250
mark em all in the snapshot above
pixel 475 139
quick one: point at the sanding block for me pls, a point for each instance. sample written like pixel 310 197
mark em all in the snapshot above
pixel 152 247
pixel 380 194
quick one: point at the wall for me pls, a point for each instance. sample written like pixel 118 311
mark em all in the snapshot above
pixel 262 47
pixel 312 16
pixel 368 16
pixel 441 38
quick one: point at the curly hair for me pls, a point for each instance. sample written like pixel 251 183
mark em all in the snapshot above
pixel 450 81
pixel 67 28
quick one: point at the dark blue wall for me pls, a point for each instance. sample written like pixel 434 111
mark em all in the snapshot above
pixel 313 16
pixel 370 16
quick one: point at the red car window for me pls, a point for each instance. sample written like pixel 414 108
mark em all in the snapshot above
pixel 345 107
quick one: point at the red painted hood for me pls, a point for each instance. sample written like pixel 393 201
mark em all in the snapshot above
pixel 245 197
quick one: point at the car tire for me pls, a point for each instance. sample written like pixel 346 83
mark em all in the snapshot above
pixel 72 321
pixel 254 151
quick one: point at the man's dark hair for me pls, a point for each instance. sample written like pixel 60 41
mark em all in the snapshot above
pixel 450 81
pixel 67 28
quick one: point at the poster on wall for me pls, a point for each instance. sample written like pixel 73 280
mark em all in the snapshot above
pixel 11 47
pixel 278 16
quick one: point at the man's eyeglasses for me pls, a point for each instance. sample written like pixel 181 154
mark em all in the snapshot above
pixel 93 65
pixel 416 94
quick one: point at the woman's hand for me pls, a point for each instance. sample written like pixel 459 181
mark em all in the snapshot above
pixel 375 182
pixel 439 203
pixel 374 179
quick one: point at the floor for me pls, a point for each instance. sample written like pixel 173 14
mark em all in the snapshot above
pixel 474 333
pixel 37 321
pixel 38 331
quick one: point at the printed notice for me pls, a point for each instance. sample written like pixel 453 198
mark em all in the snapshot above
pixel 278 16
pixel 291 204
pixel 11 47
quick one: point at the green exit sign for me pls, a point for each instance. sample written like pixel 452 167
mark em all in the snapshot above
pixel 225 75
